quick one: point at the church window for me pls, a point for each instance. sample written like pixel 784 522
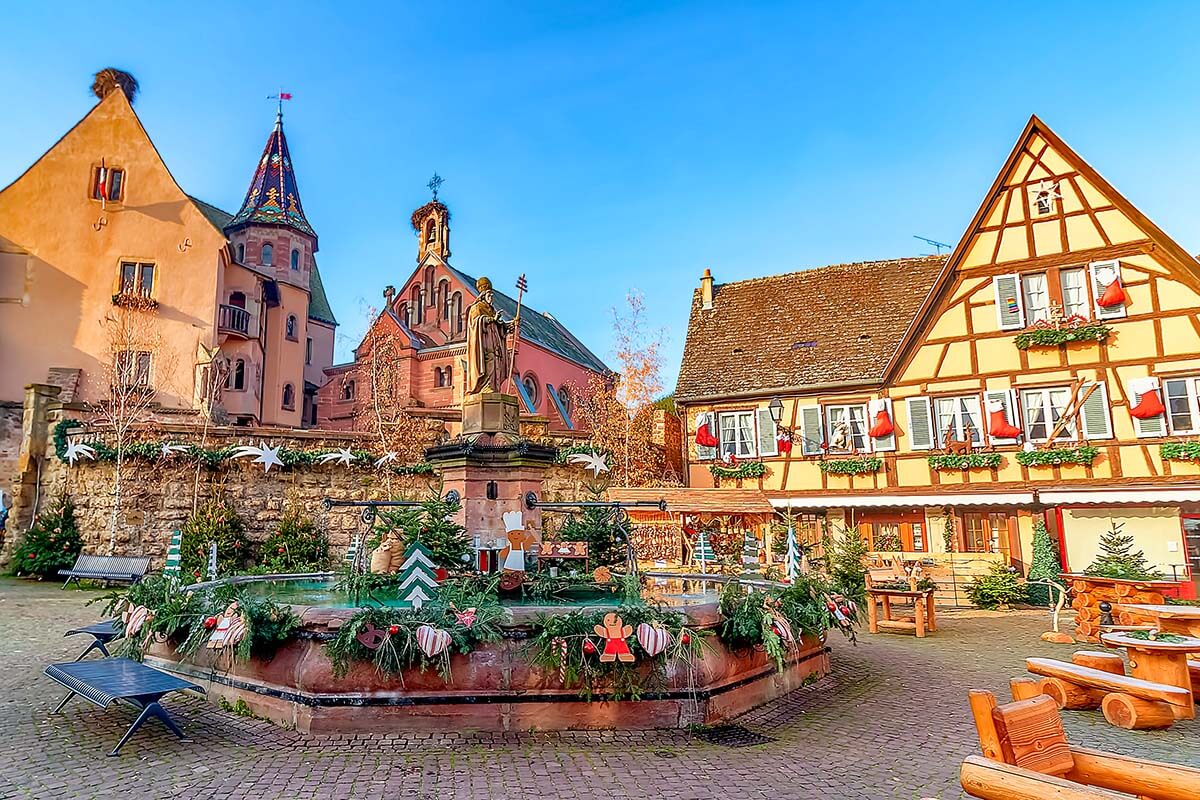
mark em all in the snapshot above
pixel 456 311
pixel 530 384
pixel 439 378
pixel 296 259
pixel 564 398
pixel 443 296
pixel 289 396
pixel 291 327
pixel 419 302
pixel 268 253
pixel 241 253
pixel 449 373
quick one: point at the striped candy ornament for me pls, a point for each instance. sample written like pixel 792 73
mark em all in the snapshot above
pixel 652 638
pixel 560 645
pixel 432 641
pixel 134 617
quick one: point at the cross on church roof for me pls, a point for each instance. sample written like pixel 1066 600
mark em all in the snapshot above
pixel 435 183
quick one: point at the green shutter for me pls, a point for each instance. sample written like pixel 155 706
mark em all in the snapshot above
pixel 920 423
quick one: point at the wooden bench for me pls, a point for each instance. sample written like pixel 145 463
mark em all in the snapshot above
pixel 1194 672
pixel 124 569
pixel 924 618
pixel 1127 702
pixel 1026 756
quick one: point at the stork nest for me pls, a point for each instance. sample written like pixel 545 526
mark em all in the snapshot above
pixel 432 207
pixel 110 78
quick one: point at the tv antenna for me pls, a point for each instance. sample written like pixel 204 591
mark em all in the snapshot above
pixel 934 242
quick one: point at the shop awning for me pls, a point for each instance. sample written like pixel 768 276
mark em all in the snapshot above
pixel 682 500
pixel 1101 497
pixel 903 500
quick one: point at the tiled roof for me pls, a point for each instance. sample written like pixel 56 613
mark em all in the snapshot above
pixel 273 197
pixel 216 216
pixel 318 302
pixel 541 329
pixel 830 325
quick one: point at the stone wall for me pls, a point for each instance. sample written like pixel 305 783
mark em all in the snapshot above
pixel 10 445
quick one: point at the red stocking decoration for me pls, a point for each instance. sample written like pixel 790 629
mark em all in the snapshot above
pixel 998 425
pixel 704 434
pixel 1148 404
pixel 883 423
pixel 1113 295
pixel 784 440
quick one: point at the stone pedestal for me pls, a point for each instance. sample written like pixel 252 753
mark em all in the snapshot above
pixel 490 412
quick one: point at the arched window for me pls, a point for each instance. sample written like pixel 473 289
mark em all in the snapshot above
pixel 289 396
pixel 443 297
pixel 419 302
pixel 236 379
pixel 439 377
pixel 268 255
pixel 295 259
pixel 241 251
pixel 430 231
pixel 530 384
pixel 564 397
pixel 429 295
pixel 291 326
pixel 456 312
pixel 237 299
pixel 449 376
pixel 348 390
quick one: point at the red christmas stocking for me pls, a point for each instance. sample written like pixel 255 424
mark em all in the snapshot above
pixel 784 440
pixel 1113 295
pixel 998 424
pixel 1148 402
pixel 704 435
pixel 883 423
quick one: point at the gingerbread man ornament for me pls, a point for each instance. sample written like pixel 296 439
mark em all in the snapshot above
pixel 615 631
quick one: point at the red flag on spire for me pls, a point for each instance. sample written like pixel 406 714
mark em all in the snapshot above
pixel 285 95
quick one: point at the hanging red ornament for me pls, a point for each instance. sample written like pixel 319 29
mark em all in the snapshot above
pixel 210 623
pixel 588 647
pixel 685 638
pixel 998 425
pixel 1147 402
pixel 393 629
pixel 883 422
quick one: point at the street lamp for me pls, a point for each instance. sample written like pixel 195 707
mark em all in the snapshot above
pixel 776 409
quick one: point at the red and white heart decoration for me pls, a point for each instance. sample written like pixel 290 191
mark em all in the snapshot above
pixel 134 618
pixel 652 638
pixel 432 641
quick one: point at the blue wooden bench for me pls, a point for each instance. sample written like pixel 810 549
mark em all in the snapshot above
pixel 126 569
pixel 107 680
pixel 102 633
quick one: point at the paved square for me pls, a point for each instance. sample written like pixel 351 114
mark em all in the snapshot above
pixel 890 722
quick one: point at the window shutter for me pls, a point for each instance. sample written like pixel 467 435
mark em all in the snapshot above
pixel 810 431
pixel 1010 306
pixel 883 444
pixel 1150 426
pixel 1097 424
pixel 768 441
pixel 1098 287
pixel 920 423
pixel 1008 399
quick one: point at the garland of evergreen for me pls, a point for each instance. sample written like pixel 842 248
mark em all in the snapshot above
pixel 1050 337
pixel 747 469
pixel 1058 456
pixel 577 449
pixel 852 466
pixel 1180 451
pixel 215 457
pixel 964 461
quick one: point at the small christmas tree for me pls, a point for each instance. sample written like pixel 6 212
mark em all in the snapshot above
pixel 418 576
pixel 704 552
pixel 53 543
pixel 174 556
pixel 445 540
pixel 791 561
pixel 1045 565
pixel 1117 559
pixel 597 526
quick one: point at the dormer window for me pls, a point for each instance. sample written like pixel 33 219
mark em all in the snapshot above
pixel 296 259
pixel 108 183
pixel 268 255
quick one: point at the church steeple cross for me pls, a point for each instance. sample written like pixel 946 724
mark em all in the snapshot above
pixel 435 183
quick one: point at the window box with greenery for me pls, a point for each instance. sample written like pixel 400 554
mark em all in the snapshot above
pixel 1058 456
pixel 1180 451
pixel 1052 337
pixel 952 461
pixel 863 465
pixel 747 469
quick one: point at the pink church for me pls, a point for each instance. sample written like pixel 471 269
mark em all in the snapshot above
pixel 427 316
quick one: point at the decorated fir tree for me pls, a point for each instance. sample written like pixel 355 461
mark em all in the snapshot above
pixel 417 581
pixel 791 561
pixel 431 525
pixel 1117 559
pixel 53 543
pixel 1045 565
pixel 598 527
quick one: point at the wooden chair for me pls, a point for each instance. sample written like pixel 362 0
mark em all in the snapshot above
pixel 1098 680
pixel 1026 756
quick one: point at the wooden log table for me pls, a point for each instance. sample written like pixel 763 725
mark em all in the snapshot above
pixel 1181 620
pixel 924 619
pixel 1158 661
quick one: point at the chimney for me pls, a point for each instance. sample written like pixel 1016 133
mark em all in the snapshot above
pixel 706 289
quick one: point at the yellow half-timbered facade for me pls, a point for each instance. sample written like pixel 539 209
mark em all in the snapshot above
pixel 1048 368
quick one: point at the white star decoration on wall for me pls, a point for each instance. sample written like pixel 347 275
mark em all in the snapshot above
pixel 267 456
pixel 387 458
pixel 593 461
pixel 169 450
pixel 77 450
pixel 1045 191
pixel 343 456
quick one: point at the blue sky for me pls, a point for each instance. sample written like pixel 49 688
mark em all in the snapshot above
pixel 601 148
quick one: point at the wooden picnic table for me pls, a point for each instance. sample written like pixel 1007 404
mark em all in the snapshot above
pixel 1183 620
pixel 1157 661
pixel 923 620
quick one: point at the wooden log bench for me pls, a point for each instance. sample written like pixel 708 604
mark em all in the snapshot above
pixel 122 569
pixel 1127 702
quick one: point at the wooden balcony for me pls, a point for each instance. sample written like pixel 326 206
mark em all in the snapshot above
pixel 237 321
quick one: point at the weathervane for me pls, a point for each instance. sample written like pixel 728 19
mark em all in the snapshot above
pixel 279 98
pixel 435 183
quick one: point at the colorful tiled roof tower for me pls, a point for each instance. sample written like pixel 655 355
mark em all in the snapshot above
pixel 273 197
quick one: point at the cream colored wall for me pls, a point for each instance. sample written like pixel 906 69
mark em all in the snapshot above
pixel 1155 531
pixel 48 212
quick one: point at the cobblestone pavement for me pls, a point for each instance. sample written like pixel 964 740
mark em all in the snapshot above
pixel 890 722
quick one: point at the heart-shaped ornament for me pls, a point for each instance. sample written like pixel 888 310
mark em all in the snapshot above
pixel 652 638
pixel 432 641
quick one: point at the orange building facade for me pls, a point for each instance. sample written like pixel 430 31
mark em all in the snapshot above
pixel 425 325
pixel 98 222
pixel 1048 369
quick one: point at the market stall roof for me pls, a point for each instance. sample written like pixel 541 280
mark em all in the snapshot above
pixel 682 500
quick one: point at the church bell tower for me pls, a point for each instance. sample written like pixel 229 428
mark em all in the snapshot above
pixel 432 224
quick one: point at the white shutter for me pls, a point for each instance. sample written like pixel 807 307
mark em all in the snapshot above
pixel 1008 399
pixel 811 434
pixel 704 417
pixel 1097 423
pixel 768 436
pixel 1010 306
pixel 920 424
pixel 1098 287
pixel 1150 426
pixel 883 444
